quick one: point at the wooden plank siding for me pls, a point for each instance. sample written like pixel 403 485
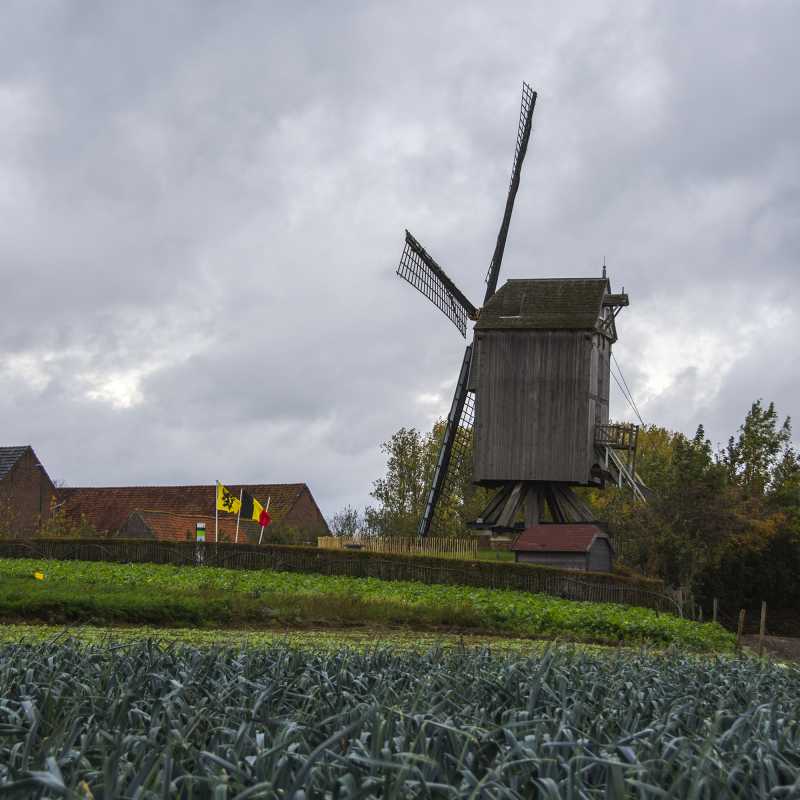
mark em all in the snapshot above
pixel 533 418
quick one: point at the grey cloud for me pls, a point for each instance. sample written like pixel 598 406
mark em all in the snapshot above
pixel 204 206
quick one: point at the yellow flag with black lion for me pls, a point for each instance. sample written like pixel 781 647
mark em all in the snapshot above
pixel 226 500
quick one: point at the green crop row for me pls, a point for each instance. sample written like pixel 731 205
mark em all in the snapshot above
pixel 101 592
pixel 148 721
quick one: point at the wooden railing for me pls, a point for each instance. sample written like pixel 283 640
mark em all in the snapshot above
pixel 594 586
pixel 404 545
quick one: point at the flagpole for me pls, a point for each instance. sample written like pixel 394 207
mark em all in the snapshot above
pixel 238 517
pixel 216 514
pixel 261 535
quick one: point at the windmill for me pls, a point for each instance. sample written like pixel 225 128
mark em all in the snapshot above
pixel 532 389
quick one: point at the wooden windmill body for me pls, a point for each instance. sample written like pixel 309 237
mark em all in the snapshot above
pixel 540 373
pixel 532 393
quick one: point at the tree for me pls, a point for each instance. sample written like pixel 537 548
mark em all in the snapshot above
pixel 752 458
pixel 59 525
pixel 346 522
pixel 678 533
pixel 402 494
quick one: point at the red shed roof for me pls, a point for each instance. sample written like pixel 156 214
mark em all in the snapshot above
pixel 107 508
pixel 576 538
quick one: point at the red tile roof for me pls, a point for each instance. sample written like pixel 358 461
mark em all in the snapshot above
pixel 107 508
pixel 576 538
pixel 167 526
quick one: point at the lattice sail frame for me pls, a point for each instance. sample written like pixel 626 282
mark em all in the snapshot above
pixel 528 100
pixel 458 458
pixel 523 137
pixel 426 276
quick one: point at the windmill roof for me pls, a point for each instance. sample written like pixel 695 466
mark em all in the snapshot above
pixel 576 538
pixel 9 456
pixel 545 303
pixel 107 507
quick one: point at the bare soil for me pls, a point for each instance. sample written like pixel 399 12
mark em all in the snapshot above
pixel 785 648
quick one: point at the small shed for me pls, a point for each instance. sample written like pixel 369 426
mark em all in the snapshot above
pixel 579 546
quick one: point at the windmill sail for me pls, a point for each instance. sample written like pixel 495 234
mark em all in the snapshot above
pixel 425 275
pixel 523 136
pixel 453 448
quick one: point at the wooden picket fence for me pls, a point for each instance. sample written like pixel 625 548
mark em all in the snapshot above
pixel 403 545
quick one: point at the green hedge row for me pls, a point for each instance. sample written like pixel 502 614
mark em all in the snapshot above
pixel 591 586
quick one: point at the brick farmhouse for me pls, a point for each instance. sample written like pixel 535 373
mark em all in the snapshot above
pixel 27 494
pixel 28 497
pixel 159 512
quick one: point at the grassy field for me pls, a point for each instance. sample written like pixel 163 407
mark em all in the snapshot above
pixel 102 593
pixel 143 719
pixel 308 639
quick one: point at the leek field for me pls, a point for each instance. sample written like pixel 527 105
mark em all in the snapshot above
pixel 101 593
pixel 139 720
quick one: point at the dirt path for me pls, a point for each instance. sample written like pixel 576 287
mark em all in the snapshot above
pixel 783 647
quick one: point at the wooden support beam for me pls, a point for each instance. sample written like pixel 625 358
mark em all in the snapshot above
pixel 495 506
pixel 556 511
pixel 511 506
pixel 534 505
pixel 579 510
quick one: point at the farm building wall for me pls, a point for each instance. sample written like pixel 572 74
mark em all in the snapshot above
pixel 575 561
pixel 135 528
pixel 599 557
pixel 305 518
pixel 534 419
pixel 107 509
pixel 27 495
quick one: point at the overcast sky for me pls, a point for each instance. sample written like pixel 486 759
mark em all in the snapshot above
pixel 202 208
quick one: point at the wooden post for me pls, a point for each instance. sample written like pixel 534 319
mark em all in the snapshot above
pixel 762 628
pixel 740 629
pixel 700 613
pixel 716 608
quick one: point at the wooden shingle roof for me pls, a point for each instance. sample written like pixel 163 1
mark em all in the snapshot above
pixel 9 456
pixel 545 303
pixel 107 508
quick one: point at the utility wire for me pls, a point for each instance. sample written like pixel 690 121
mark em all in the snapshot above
pixel 630 393
pixel 626 392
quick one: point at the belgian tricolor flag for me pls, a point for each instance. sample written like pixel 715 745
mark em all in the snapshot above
pixel 252 509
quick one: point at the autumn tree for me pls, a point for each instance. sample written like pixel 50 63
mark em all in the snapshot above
pixel 753 457
pixel 402 493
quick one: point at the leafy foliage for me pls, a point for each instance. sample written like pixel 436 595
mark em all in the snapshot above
pixel 402 493
pixel 723 524
pixel 151 593
pixel 346 522
pixel 145 721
